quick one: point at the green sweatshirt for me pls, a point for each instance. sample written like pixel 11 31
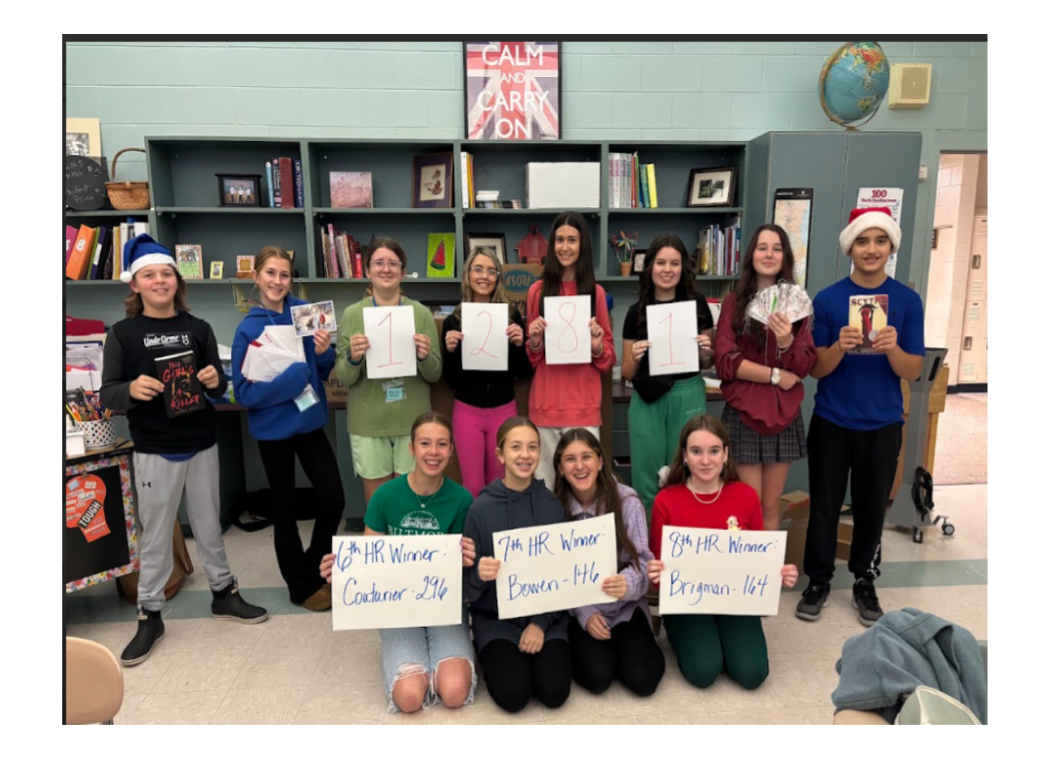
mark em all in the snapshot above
pixel 368 413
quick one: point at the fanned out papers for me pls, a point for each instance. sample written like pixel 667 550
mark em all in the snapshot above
pixel 275 350
pixel 786 298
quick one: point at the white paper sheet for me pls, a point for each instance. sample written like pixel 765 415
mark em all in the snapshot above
pixel 485 346
pixel 716 571
pixel 554 567
pixel 391 334
pixel 567 335
pixel 672 331
pixel 385 582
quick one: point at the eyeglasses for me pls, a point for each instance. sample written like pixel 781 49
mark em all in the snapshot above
pixel 381 264
pixel 489 271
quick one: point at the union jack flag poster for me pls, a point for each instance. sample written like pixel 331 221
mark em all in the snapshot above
pixel 513 91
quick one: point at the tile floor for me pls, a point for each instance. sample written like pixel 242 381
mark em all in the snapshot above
pixel 294 669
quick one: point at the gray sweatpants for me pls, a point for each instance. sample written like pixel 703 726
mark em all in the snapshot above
pixel 160 484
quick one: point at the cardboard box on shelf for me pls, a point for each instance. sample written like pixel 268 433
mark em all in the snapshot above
pixel 336 391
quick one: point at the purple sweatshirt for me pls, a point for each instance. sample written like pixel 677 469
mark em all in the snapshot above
pixel 637 581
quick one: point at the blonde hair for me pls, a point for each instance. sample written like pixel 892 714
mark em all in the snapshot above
pixel 498 295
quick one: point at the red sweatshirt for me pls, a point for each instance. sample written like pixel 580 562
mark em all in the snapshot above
pixel 568 395
pixel 766 408
pixel 737 508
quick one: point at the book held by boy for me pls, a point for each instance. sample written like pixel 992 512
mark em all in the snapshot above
pixel 869 315
pixel 183 392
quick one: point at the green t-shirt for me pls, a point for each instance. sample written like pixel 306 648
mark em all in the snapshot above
pixel 395 510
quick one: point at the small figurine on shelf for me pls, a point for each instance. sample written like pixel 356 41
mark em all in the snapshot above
pixel 624 248
pixel 532 249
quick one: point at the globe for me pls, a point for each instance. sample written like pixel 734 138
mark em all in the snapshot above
pixel 853 83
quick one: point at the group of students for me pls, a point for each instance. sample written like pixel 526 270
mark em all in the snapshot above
pixel 687 468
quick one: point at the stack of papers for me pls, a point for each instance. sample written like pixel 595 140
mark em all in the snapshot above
pixel 84 363
pixel 275 350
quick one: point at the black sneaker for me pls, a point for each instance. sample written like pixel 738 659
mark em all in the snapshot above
pixel 228 604
pixel 865 600
pixel 149 631
pixel 815 597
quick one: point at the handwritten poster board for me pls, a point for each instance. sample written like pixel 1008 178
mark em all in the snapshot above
pixel 554 567
pixel 100 533
pixel 386 582
pixel 567 335
pixel 391 334
pixel 714 571
pixel 485 346
pixel 84 182
pixel 672 331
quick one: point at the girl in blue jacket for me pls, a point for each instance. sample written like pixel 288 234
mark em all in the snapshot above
pixel 286 418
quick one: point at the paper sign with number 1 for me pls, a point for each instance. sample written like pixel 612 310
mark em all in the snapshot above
pixel 391 333
pixel 485 346
pixel 567 336
pixel 672 330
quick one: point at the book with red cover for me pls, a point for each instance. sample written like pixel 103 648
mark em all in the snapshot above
pixel 183 392
pixel 286 181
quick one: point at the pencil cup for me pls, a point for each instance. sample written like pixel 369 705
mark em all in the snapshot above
pixel 98 434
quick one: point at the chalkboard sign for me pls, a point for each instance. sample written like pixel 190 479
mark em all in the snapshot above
pixel 84 182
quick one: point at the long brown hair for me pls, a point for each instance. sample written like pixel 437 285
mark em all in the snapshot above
pixel 509 425
pixel 586 285
pixel 266 254
pixel 432 417
pixel 678 473
pixel 686 290
pixel 134 302
pixel 498 295
pixel 748 284
pixel 608 498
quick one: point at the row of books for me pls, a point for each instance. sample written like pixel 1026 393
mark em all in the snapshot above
pixel 342 255
pixel 94 253
pixel 285 183
pixel 489 198
pixel 721 246
pixel 631 184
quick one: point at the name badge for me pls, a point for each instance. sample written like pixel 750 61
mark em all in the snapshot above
pixel 306 399
pixel 394 391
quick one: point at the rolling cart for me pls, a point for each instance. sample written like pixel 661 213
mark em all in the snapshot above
pixel 914 506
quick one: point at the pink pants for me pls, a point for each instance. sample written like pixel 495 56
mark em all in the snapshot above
pixel 476 432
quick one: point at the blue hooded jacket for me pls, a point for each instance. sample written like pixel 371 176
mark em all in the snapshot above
pixel 273 414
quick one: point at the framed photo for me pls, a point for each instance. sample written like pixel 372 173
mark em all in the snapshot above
pixel 239 190
pixel 189 261
pixel 433 181
pixel 513 90
pixel 639 259
pixel 244 266
pixel 216 270
pixel 82 136
pixel 711 186
pixel 492 241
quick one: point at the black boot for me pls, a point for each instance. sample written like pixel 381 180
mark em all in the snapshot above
pixel 228 604
pixel 149 631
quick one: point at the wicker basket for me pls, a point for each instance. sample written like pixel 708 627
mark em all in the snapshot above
pixel 127 195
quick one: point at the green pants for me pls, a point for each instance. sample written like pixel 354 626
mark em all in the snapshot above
pixel 654 429
pixel 705 645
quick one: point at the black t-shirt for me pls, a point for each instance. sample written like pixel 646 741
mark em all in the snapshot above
pixel 130 351
pixel 652 388
pixel 484 389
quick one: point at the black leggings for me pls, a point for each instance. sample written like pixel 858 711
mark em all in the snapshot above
pixel 632 655
pixel 300 569
pixel 512 677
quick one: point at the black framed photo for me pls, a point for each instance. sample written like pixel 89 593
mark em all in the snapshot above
pixel 495 242
pixel 240 190
pixel 433 180
pixel 513 90
pixel 639 260
pixel 711 187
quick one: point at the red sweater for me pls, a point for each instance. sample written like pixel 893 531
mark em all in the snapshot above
pixel 764 407
pixel 737 508
pixel 568 395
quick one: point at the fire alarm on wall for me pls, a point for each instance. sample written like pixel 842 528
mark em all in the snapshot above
pixel 910 86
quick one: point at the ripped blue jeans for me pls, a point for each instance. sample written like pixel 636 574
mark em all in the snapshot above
pixel 415 650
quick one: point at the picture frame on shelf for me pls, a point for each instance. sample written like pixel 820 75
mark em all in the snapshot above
pixel 512 90
pixel 351 189
pixel 82 137
pixel 216 270
pixel 189 261
pixel 239 190
pixel 433 180
pixel 639 260
pixel 710 187
pixel 493 241
pixel 244 267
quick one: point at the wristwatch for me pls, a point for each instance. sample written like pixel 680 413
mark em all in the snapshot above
pixel 775 376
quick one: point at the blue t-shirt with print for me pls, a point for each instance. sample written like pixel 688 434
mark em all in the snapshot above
pixel 863 392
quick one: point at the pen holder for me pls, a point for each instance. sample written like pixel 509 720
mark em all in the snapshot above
pixel 98 434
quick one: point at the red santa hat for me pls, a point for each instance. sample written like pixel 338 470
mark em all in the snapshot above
pixel 862 219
